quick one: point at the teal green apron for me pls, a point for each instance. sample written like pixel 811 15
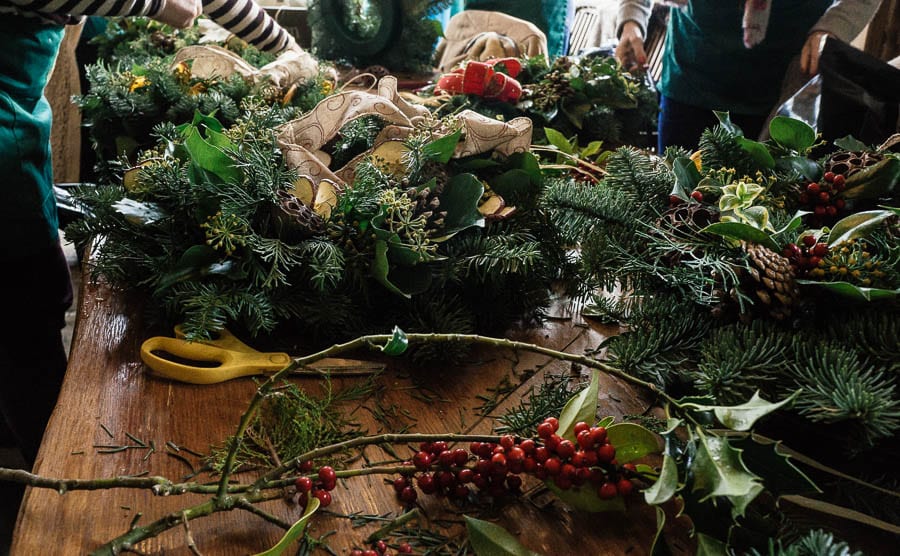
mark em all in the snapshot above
pixel 548 15
pixel 28 217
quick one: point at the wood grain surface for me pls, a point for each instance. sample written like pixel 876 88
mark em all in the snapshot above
pixel 108 385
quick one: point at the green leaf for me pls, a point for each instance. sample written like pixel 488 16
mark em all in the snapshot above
pixel 791 133
pixel 708 546
pixel 718 469
pixel 856 226
pixel 441 150
pixel 606 422
pixel 757 216
pixel 807 168
pixel 208 121
pixel 592 148
pixel 725 121
pixel 632 441
pixel 295 532
pixel 558 140
pixel 742 417
pixel 381 267
pixel 875 181
pixel 397 344
pixel 852 291
pixel 196 261
pixel 211 158
pixel 666 485
pixel 585 498
pixel 460 199
pixel 576 112
pixel 780 476
pixel 659 546
pixel 851 143
pixel 580 407
pixel 489 539
pixel 686 177
pixel 138 213
pixel 741 231
pixel 794 224
pixel 758 152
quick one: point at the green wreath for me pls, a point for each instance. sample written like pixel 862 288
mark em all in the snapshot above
pixel 396 34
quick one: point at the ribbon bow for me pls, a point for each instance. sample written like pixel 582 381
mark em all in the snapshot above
pixel 483 79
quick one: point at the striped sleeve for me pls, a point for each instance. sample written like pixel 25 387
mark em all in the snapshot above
pixel 248 21
pixel 90 7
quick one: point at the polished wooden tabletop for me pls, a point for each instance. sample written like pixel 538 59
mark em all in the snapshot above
pixel 107 388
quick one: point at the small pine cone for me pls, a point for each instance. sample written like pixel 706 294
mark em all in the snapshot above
pixel 771 278
pixel 848 163
pixel 298 217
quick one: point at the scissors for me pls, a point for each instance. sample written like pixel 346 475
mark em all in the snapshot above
pixel 225 357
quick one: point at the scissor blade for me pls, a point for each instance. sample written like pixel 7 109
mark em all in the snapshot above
pixel 336 366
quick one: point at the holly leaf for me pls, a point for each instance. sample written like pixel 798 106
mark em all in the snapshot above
pixel 558 140
pixel 780 476
pixel 666 485
pixel 856 226
pixel 718 470
pixel 580 407
pixel 793 134
pixel 632 441
pixel 741 231
pixel 852 291
pixel 397 344
pixel 441 150
pixel 586 499
pixel 757 151
pixel 742 417
pixel 295 532
pixel 489 539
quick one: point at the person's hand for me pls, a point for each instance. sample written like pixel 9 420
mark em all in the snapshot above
pixel 293 64
pixel 179 13
pixel 630 50
pixel 809 56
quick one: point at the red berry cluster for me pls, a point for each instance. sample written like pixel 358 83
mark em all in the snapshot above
pixel 380 548
pixel 807 256
pixel 824 196
pixel 321 489
pixel 497 467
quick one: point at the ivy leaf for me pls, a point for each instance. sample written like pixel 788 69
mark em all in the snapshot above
pixel 397 344
pixel 558 140
pixel 211 158
pixel 441 150
pixel 856 226
pixel 489 539
pixel 793 134
pixel 719 471
pixel 741 231
pixel 196 261
pixel 708 546
pixel 295 532
pixel 381 266
pixel 666 485
pixel 851 143
pixel 757 151
pixel 632 441
pixel 852 291
pixel 580 407
pixel 742 417
pixel 460 200
pixel 686 177
pixel 807 168
pixel 780 476
pixel 586 499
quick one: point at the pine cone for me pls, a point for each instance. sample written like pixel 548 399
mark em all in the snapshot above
pixel 771 279
pixel 296 216
pixel 847 163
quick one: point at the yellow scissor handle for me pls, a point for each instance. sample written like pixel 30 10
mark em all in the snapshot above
pixel 215 362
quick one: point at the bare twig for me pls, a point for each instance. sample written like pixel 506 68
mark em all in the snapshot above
pixel 189 539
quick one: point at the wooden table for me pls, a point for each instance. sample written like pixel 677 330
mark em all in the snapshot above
pixel 108 386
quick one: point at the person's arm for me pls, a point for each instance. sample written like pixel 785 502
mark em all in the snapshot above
pixel 844 20
pixel 178 13
pixel 245 19
pixel 631 28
